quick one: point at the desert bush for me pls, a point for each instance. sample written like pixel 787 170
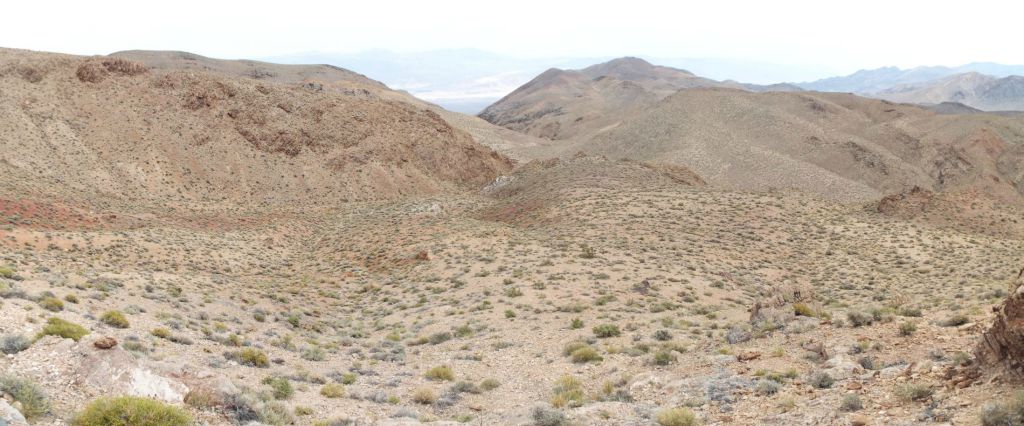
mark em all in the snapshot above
pixel 332 390
pixel 768 387
pixel 664 357
pixel 576 324
pixel 440 373
pixel 913 392
pixel 1008 413
pixel 6 272
pixel 61 328
pixel 568 391
pixel 907 328
pixel 662 335
pixel 131 411
pixel 676 417
pixel 607 330
pixel 252 357
pixel 51 304
pixel 954 321
pixel 425 396
pixel 313 353
pixel 851 402
pixel 13 343
pixel 802 309
pixel 161 332
pixel 820 380
pixel 114 319
pixel 859 319
pixel 280 387
pixel 585 354
pixel 545 416
pixel 489 384
pixel 33 399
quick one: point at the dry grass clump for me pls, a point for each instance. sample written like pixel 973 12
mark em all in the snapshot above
pixel 130 411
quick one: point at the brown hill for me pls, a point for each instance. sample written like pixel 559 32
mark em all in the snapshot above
pixel 560 104
pixel 108 125
pixel 334 79
pixel 836 145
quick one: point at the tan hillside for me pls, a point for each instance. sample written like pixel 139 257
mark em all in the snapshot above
pixel 335 79
pixel 835 145
pixel 231 250
pixel 109 126
pixel 566 104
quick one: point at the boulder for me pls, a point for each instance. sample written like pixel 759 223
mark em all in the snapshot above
pixel 115 371
pixel 9 416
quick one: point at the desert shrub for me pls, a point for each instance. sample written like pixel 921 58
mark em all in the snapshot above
pixel 438 338
pixel 664 357
pixel 424 396
pixel 859 319
pixel 576 324
pixel 1008 413
pixel 440 373
pixel 332 390
pixel 489 384
pixel 61 328
pixel 585 354
pixel 802 309
pixel 6 272
pixel 662 335
pixel 348 378
pixel 51 304
pixel 913 392
pixel 908 311
pixel 851 402
pixel 33 399
pixel 280 387
pixel 907 328
pixel 820 380
pixel 568 391
pixel 14 343
pixel 545 416
pixel 314 353
pixel 202 398
pixel 161 332
pixel 607 330
pixel 114 319
pixel 274 413
pixel 768 387
pixel 954 321
pixel 676 417
pixel 71 298
pixel 130 411
pixel 252 357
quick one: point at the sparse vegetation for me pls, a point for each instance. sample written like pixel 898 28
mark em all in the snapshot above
pixel 114 319
pixel 131 411
pixel 33 400
pixel 61 328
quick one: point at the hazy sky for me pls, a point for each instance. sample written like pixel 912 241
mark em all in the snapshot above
pixel 842 36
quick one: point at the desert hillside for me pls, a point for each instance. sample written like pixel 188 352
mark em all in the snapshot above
pixel 109 126
pixel 839 146
pixel 565 104
pixel 213 242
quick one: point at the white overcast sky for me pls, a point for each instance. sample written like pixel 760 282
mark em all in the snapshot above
pixel 843 36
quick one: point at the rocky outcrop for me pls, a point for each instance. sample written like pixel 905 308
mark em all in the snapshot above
pixel 116 369
pixel 1002 345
